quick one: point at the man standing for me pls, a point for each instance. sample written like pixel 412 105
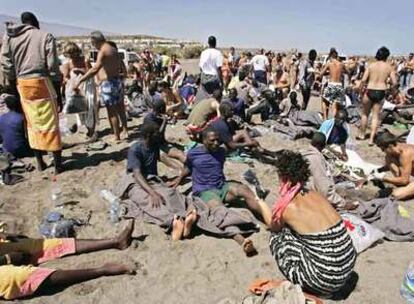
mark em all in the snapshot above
pixel 108 67
pixel 334 92
pixel 29 57
pixel 307 77
pixel 261 66
pixel 210 64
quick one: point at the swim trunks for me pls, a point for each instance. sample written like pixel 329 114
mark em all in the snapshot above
pixel 112 91
pixel 376 96
pixel 334 92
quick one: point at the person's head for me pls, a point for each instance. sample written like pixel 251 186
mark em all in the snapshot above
pixel 97 39
pixel 164 86
pixel 341 117
pixel 150 132
pixel 159 107
pixel 293 97
pixel 11 102
pixel 212 42
pixel 382 54
pixel 29 19
pixel 312 55
pixel 152 87
pixel 232 93
pixel 387 142
pixel 411 56
pixel 217 95
pixel 211 140
pixel 232 50
pixel 226 110
pixel 242 75
pixel 72 50
pixel 333 53
pixel 292 168
pixel 318 141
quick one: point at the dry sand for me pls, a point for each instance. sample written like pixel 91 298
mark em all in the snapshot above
pixel 200 270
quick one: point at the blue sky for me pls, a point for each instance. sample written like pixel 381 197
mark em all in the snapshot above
pixel 352 26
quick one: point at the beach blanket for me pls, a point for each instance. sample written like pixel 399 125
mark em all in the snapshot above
pixel 39 103
pixel 305 118
pixel 219 221
pixel 293 132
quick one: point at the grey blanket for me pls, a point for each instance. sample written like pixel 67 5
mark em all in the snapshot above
pixel 293 132
pixel 383 213
pixel 219 221
pixel 305 118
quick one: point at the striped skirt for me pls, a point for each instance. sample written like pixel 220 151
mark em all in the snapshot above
pixel 319 262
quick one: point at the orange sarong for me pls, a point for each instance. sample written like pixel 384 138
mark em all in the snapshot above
pixel 39 103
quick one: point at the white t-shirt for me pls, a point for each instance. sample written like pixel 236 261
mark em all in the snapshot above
pixel 260 62
pixel 210 61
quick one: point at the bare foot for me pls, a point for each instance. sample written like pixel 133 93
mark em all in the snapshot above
pixel 41 166
pixel 190 219
pixel 116 269
pixel 124 134
pixel 249 248
pixel 178 228
pixel 125 237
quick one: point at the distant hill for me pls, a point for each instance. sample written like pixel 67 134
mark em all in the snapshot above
pixel 53 28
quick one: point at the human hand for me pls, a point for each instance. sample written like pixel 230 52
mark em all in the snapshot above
pixel 156 200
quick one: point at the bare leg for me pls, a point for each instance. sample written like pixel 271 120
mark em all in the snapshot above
pixel 403 193
pixel 57 160
pixel 366 108
pixel 70 277
pixel 335 108
pixel 114 121
pixel 246 244
pixel 376 109
pixel 41 165
pixel 120 109
pixel 121 242
pixel 325 109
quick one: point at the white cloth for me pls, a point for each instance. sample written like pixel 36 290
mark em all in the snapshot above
pixel 210 61
pixel 410 137
pixel 388 106
pixel 259 62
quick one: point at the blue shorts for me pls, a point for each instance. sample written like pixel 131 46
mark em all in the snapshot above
pixel 112 91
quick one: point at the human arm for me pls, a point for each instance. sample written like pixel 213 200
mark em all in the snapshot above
pixel 216 106
pixel 15 258
pixel 94 70
pixel 156 198
pixel 7 64
pixel 364 81
pixel 184 173
pixel 66 73
pixel 405 169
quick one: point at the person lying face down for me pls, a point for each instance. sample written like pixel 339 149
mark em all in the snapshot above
pixel 205 163
pixel 399 158
pixel 302 220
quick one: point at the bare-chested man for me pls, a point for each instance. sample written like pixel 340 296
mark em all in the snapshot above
pixel 334 93
pixel 377 76
pixel 108 66
pixel 399 158
pixel 282 81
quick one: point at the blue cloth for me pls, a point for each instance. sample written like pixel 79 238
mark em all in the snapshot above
pixel 12 132
pixel 206 168
pixel 239 106
pixel 223 130
pixel 112 91
pixel 143 158
pixel 260 76
pixel 327 127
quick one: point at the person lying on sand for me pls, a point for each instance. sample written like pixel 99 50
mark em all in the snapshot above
pixel 18 278
pixel 303 220
pixel 205 163
pixel 167 211
pixel 399 158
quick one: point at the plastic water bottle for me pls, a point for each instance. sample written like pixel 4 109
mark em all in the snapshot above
pixel 56 194
pixel 113 203
pixel 407 288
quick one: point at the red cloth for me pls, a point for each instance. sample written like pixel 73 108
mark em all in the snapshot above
pixel 287 193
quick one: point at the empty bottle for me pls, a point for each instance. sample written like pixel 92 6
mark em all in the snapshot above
pixel 113 205
pixel 56 194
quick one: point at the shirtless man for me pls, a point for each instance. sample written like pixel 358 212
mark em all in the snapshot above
pixel 108 66
pixel 282 81
pixel 334 92
pixel 377 75
pixel 399 158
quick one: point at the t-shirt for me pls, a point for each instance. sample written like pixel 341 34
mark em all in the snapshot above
pixel 206 168
pixel 210 61
pixel 238 106
pixel 165 61
pixel 12 132
pixel 338 136
pixel 202 112
pixel 144 158
pixel 223 130
pixel 260 62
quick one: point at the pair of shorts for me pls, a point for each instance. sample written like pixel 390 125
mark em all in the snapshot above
pixel 112 91
pixel 215 194
pixel 334 92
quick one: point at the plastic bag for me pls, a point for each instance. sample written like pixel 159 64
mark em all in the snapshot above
pixel 363 235
pixel 407 288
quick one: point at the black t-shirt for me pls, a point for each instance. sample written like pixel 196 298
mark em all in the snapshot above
pixel 143 158
pixel 223 129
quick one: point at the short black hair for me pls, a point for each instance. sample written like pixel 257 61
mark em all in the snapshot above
pixel 226 109
pixel 12 102
pixel 342 113
pixel 318 140
pixel 293 167
pixel 159 106
pixel 386 139
pixel 242 74
pixel 382 54
pixel 333 52
pixel 212 42
pixel 217 94
pixel 30 19
pixel 312 53
pixel 206 131
pixel 148 129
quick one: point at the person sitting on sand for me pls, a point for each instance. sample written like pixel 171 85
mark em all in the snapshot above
pixel 18 278
pixel 175 105
pixel 239 106
pixel 320 179
pixel 205 163
pixel 309 240
pixel 202 113
pixel 336 131
pixel 148 192
pixel 399 158
pixel 158 115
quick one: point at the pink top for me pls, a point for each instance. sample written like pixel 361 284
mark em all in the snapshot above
pixel 287 193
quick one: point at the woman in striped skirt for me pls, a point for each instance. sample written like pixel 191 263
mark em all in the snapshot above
pixel 309 240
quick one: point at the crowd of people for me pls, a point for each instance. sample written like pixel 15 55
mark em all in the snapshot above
pixel 220 108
